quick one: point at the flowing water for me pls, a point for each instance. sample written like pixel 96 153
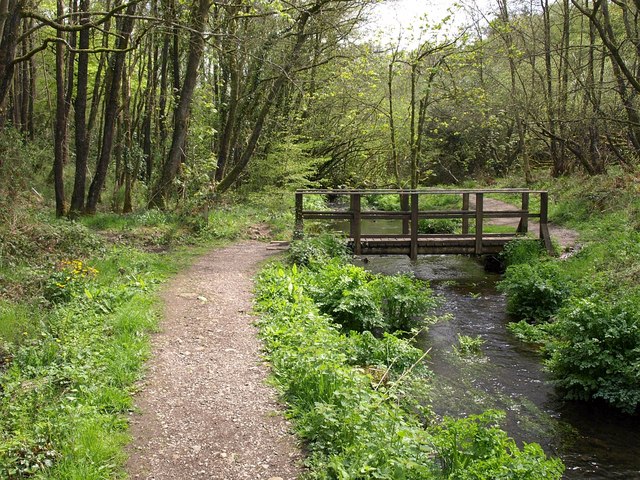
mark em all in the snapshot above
pixel 593 442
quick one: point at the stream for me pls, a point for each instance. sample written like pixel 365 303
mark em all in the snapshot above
pixel 593 442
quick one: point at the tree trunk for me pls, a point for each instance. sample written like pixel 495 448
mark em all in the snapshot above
pixel 81 137
pixel 196 47
pixel 274 92
pixel 8 42
pixel 116 65
pixel 60 140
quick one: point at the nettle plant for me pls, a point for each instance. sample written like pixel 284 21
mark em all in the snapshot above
pixel 359 300
pixel 536 291
pixel 597 350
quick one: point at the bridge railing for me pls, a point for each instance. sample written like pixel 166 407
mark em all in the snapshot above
pixel 410 214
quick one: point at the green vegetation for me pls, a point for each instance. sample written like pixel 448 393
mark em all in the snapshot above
pixel 78 301
pixel 72 362
pixel 585 306
pixel 469 346
pixel 353 395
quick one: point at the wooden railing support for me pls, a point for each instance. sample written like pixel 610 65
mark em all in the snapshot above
pixel 544 222
pixel 414 226
pixel 479 219
pixel 404 206
pixel 298 229
pixel 465 218
pixel 523 226
pixel 356 223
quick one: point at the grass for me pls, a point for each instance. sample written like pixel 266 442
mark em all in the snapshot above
pixel 78 301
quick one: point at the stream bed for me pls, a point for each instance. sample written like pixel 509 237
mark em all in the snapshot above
pixel 594 443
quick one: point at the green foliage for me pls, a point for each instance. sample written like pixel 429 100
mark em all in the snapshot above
pixel 439 225
pixel 315 202
pixel 67 370
pixel 535 292
pixel 592 344
pixel 469 346
pixel 596 350
pixel 404 301
pixel 350 415
pixel 359 300
pixel 289 164
pixel 69 280
pixel 474 448
pixel 387 203
pixel 35 241
pixel 389 354
pixel 317 250
pixel 522 250
pixel 538 333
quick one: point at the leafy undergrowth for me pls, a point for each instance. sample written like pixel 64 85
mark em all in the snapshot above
pixel 584 310
pixel 356 398
pixel 77 303
pixel 75 355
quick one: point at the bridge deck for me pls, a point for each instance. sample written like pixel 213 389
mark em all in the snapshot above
pixel 430 245
pixel 470 239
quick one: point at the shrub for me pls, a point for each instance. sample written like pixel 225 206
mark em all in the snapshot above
pixel 359 300
pixel 317 250
pixel 439 225
pixel 342 291
pixel 475 448
pixel 469 346
pixel 404 301
pixel 522 250
pixel 597 351
pixel 535 292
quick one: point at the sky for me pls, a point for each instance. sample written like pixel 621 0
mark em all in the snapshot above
pixel 394 17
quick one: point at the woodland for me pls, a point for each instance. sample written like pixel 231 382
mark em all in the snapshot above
pixel 171 104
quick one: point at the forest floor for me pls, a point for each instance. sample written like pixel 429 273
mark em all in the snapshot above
pixel 205 410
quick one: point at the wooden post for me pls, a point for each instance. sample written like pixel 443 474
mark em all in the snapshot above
pixel 465 219
pixel 414 227
pixel 404 206
pixel 479 210
pixel 544 221
pixel 356 225
pixel 298 228
pixel 523 226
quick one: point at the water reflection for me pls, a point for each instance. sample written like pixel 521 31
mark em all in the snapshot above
pixel 594 442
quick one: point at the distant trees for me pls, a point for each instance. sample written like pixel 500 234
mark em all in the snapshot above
pixel 161 103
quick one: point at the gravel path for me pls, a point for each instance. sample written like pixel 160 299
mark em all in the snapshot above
pixel 204 410
pixel 566 238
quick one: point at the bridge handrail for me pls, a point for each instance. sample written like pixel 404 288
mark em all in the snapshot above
pixel 410 214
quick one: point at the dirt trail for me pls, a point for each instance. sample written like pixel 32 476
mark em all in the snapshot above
pixel 205 412
pixel 566 238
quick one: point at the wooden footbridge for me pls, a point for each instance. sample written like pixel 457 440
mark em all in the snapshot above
pixel 471 238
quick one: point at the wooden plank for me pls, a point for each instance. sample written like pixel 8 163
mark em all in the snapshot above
pixel 523 226
pixel 479 209
pixel 404 206
pixel 328 215
pixel 465 218
pixel 356 223
pixel 544 222
pixel 298 228
pixel 414 226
